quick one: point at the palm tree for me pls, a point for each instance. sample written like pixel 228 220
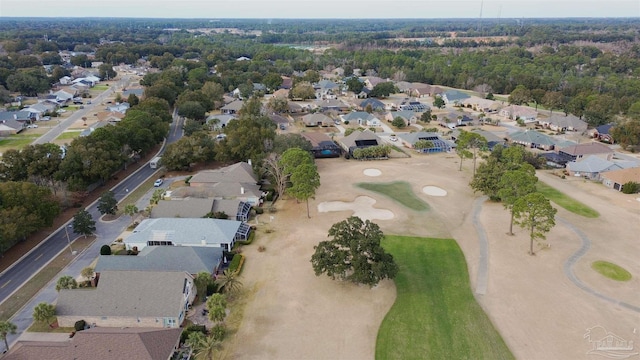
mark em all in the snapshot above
pixel 6 328
pixel 203 347
pixel 207 349
pixel 229 282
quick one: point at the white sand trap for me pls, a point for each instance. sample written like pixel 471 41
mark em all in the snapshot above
pixel 372 172
pixel 362 207
pixel 434 191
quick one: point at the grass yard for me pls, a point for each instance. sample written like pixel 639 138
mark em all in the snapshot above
pixel 566 202
pixel 15 142
pixel 67 135
pixel 100 87
pixel 611 270
pixel 399 191
pixel 435 315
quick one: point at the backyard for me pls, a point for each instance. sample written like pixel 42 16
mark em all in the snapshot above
pixel 566 202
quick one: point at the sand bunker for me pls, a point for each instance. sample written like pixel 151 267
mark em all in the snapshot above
pixel 372 172
pixel 362 207
pixel 434 191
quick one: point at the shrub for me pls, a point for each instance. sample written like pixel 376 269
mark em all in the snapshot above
pixel 105 250
pixel 212 288
pixel 631 187
pixel 236 263
pixel 79 325
pixel 188 179
pixel 252 236
pixel 258 210
pixel 261 248
pixel 191 329
pixel 346 122
pixel 218 332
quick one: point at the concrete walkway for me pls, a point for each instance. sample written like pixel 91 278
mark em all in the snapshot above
pixel 573 259
pixel 483 261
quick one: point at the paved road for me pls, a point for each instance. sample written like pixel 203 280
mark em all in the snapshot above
pixel 106 232
pixel 78 114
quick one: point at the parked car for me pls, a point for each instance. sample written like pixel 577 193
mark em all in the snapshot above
pixel 393 137
pixel 158 182
pixel 32 126
pixel 283 127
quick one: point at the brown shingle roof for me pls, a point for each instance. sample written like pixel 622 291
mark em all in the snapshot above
pixel 100 343
pixel 587 149
pixel 623 176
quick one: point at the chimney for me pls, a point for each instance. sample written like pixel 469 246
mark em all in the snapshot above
pixel 249 161
pixel 242 190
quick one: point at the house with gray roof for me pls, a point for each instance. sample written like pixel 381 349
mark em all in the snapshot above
pixel 439 144
pixel 331 105
pixel 189 259
pixel 454 97
pixel 236 181
pixel 561 122
pixel 317 119
pixel 591 167
pixel 408 116
pixel 187 232
pixel 375 104
pixel 192 207
pixel 579 151
pixel 361 118
pixel 326 89
pixel 220 121
pixel 23 116
pixel 152 299
pixel 100 343
pixel 513 112
pixel 232 107
pixel 532 139
pixel 359 140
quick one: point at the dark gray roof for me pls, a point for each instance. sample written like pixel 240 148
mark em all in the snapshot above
pixel 185 208
pixel 531 137
pixel 189 259
pixel 238 172
pixel 126 294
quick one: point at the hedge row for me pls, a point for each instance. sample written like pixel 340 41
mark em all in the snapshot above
pixel 236 263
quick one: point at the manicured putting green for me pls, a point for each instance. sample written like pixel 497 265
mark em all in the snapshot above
pixel 399 191
pixel 611 270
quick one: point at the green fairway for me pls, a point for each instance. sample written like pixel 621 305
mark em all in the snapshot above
pixel 565 201
pixel 399 191
pixel 611 270
pixel 435 315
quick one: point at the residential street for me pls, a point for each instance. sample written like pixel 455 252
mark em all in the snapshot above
pixel 106 232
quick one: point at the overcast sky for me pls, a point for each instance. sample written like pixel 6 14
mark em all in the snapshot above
pixel 266 9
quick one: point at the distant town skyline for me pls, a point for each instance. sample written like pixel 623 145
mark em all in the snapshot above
pixel 307 9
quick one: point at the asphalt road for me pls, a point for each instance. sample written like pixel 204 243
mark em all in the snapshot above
pixel 106 232
pixel 78 114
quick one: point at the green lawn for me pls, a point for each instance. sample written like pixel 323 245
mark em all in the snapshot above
pixel 611 270
pixel 435 315
pixel 15 142
pixel 69 135
pixel 100 87
pixel 565 201
pixel 399 191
